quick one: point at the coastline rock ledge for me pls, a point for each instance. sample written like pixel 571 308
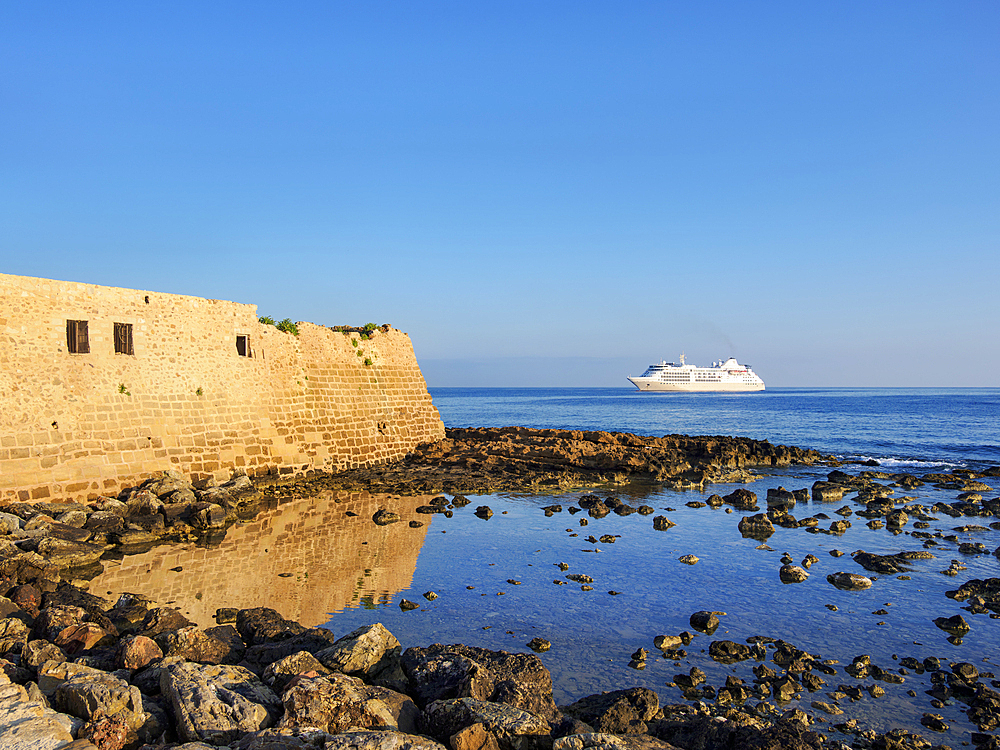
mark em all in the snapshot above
pixel 483 460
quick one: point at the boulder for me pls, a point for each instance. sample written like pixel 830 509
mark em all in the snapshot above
pixel 849 581
pixel 278 674
pixel 758 527
pixel 512 727
pixel 368 652
pixel 617 711
pixel 13 634
pixel 29 724
pixel 728 652
pixel 95 695
pixel 263 625
pixel 217 704
pixel 441 672
pixel 136 652
pixel 792 574
pixel 337 702
pixel 829 492
pixel 742 499
pixel 52 674
pixel 294 739
pixel 37 652
pixel 193 644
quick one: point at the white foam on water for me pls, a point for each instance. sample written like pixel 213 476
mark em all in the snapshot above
pixel 899 463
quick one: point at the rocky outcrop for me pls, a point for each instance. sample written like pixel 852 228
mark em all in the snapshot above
pixel 483 460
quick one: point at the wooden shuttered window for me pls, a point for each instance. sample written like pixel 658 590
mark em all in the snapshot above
pixel 77 337
pixel 123 339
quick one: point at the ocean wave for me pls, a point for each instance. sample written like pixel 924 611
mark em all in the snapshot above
pixel 899 463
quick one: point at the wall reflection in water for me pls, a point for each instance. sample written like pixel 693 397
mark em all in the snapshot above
pixel 306 559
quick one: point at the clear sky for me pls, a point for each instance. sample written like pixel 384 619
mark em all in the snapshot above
pixel 539 193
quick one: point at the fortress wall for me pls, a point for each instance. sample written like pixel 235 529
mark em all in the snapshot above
pixel 76 425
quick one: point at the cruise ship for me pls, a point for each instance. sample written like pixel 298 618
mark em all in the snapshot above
pixel 721 376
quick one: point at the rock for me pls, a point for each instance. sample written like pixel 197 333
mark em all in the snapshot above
pixel 217 704
pixel 792 574
pixel 28 724
pixel 65 554
pixel 758 527
pixel 956 624
pixel 27 597
pixel 263 625
pixel 13 634
pixel 385 517
pixel 849 581
pixel 161 619
pixel 365 652
pixel 512 727
pixel 95 695
pixel 780 499
pixel 193 644
pixel 618 711
pixel 109 733
pixel 136 652
pixel 337 702
pixel 665 642
pixel 293 739
pixel 76 638
pixel 278 674
pixel 828 491
pixel 484 512
pixel 52 621
pixel 473 737
pixel 662 523
pixel 207 516
pixel 539 645
pixel 688 559
pixel 728 652
pixel 704 622
pixel 883 564
pixel 37 652
pixel 406 604
pixel 742 499
pixel 441 672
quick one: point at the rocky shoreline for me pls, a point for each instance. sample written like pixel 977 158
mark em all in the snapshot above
pixel 80 671
pixel 521 459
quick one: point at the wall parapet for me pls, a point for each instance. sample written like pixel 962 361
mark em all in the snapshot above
pixel 151 381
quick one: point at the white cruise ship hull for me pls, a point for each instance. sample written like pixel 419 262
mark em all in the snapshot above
pixel 652 384
pixel 727 376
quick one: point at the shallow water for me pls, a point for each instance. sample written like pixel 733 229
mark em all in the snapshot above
pixel 308 558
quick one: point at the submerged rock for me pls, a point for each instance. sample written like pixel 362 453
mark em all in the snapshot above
pixel 849 581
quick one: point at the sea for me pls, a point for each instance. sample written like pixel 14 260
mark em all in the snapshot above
pixel 502 582
pixel 895 426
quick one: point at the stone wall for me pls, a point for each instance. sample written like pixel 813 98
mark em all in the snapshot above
pixel 76 425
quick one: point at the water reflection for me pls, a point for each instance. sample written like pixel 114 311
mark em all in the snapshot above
pixel 306 558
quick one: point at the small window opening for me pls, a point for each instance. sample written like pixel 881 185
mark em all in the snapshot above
pixel 77 338
pixel 123 339
pixel 243 346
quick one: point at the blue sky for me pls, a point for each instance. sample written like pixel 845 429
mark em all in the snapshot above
pixel 544 193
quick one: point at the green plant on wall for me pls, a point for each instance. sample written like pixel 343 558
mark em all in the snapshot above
pixel 286 325
pixel 123 389
pixel 354 343
pixel 199 392
pixel 368 362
